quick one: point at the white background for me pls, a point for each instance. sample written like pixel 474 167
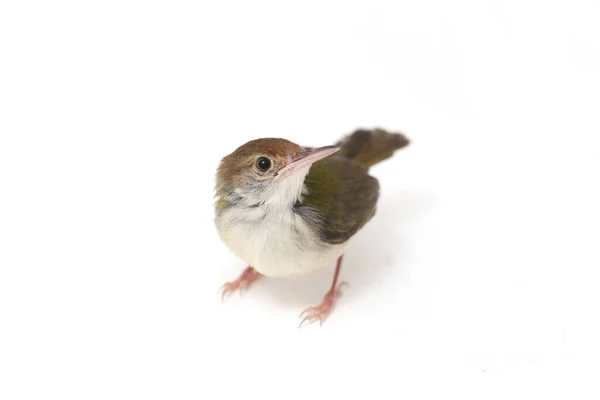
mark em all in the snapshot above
pixel 477 278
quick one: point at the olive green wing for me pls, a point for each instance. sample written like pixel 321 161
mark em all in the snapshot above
pixel 341 197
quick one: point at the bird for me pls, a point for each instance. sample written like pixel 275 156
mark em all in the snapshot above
pixel 290 210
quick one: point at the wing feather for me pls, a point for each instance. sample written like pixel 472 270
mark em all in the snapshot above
pixel 343 196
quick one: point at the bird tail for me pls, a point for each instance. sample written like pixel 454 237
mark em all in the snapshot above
pixel 370 147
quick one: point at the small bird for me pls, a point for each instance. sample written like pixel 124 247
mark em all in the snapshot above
pixel 288 210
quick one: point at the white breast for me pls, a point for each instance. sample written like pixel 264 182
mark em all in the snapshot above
pixel 274 242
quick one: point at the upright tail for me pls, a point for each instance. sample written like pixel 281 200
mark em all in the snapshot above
pixel 370 147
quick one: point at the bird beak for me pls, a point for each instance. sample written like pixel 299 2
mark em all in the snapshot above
pixel 307 158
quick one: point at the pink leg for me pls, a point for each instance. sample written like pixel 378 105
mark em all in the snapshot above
pixel 322 311
pixel 242 283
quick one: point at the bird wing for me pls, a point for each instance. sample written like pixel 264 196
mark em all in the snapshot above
pixel 340 196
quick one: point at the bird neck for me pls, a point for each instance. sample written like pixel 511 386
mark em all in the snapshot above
pixel 277 196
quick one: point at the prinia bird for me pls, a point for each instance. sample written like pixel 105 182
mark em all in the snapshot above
pixel 288 210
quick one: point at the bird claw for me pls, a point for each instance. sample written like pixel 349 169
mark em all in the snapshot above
pixel 321 312
pixel 241 284
pixel 230 287
pixel 226 290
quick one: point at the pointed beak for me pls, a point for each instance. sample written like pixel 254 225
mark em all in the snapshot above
pixel 307 158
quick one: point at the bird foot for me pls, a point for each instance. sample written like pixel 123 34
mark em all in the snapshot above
pixel 321 312
pixel 241 284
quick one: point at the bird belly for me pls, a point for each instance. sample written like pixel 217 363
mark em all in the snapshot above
pixel 276 245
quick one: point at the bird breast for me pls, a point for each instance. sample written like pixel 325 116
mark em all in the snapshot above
pixel 276 243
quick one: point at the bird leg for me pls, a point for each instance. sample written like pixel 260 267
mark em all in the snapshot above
pixel 322 311
pixel 242 283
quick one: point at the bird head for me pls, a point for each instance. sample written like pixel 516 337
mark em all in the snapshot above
pixel 267 171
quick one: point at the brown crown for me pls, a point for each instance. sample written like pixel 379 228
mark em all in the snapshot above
pixel 245 155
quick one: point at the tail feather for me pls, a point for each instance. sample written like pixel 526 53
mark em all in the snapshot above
pixel 370 147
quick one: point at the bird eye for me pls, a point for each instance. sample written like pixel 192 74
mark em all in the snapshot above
pixel 263 164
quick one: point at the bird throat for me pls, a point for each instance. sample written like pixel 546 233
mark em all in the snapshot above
pixel 278 195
